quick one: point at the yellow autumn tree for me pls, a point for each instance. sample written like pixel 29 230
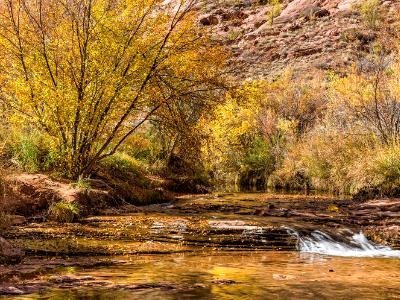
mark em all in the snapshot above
pixel 367 102
pixel 88 73
pixel 251 132
pixel 231 131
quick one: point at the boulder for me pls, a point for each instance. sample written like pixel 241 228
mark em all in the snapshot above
pixel 315 12
pixel 348 5
pixel 8 253
pixel 17 220
pixel 209 20
pixel 322 13
pixel 297 8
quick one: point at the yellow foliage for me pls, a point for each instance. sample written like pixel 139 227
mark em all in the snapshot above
pixel 250 130
pixel 369 102
pixel 333 208
pixel 232 126
pixel 89 73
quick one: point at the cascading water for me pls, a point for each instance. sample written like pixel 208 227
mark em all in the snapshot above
pixel 349 244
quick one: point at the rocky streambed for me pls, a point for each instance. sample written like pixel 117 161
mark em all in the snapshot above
pixel 206 226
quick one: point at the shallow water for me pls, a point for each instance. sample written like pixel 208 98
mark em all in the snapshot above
pixel 209 247
pixel 238 275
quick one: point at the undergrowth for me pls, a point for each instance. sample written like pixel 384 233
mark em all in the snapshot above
pixel 64 211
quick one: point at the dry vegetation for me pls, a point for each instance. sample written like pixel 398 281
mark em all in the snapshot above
pixel 136 97
pixel 339 132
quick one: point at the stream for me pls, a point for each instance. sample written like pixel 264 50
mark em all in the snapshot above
pixel 235 246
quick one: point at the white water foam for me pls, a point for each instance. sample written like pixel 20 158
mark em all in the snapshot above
pixel 356 245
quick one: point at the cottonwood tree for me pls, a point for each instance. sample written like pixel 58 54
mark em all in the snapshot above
pixel 368 100
pixel 89 73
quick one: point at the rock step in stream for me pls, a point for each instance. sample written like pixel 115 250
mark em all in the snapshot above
pixel 139 233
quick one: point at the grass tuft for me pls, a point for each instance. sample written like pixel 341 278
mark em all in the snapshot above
pixel 82 184
pixel 64 211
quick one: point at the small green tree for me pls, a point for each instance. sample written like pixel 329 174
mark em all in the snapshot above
pixel 370 12
pixel 275 11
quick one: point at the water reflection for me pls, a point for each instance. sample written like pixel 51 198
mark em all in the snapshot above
pixel 239 275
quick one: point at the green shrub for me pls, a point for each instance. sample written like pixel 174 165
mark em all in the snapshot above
pixel 144 146
pixel 234 34
pixel 387 164
pixel 122 164
pixel 370 12
pixel 64 211
pixel 83 184
pixel 257 165
pixel 259 157
pixel 123 167
pixel 341 164
pixel 33 153
pixel 275 11
pixel 158 167
pixel 27 155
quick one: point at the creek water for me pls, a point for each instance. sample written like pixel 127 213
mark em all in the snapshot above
pixel 349 245
pixel 239 275
pixel 211 248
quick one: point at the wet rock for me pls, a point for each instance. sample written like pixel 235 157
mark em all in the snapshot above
pixel 386 235
pixel 85 278
pixel 282 277
pixel 8 253
pixel 93 284
pixel 17 220
pixel 143 286
pixel 11 290
pixel 231 225
pixel 223 281
pixel 22 289
pixel 62 279
pixel 128 208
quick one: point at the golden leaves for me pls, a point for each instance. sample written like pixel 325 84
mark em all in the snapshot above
pixel 89 72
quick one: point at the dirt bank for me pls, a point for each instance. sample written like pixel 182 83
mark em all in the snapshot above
pixel 30 195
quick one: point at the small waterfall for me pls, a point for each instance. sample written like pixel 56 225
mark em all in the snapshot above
pixel 345 243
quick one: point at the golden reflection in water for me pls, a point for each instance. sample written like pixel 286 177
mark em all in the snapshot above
pixel 241 275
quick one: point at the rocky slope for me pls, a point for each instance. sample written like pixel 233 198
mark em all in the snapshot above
pixel 302 34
